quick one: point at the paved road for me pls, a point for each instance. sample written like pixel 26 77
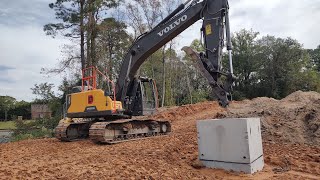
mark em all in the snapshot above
pixel 5 136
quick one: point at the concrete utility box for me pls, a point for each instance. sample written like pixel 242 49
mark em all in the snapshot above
pixel 231 144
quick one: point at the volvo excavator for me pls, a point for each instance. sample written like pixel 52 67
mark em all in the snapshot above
pixel 110 115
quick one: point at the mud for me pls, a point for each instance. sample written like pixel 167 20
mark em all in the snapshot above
pixel 291 147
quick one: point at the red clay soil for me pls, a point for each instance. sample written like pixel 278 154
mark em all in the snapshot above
pixel 290 133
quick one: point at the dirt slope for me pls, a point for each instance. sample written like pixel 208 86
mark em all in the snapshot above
pixel 294 119
pixel 291 147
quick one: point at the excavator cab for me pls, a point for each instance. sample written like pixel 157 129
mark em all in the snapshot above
pixel 142 97
pixel 149 95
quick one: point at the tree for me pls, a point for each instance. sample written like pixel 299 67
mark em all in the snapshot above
pixel 46 95
pixel 315 57
pixel 94 8
pixel 44 92
pixel 308 78
pixel 112 45
pixel 72 14
pixel 80 19
pixel 198 88
pixel 246 63
pixel 143 15
pixel 282 60
pixel 21 108
pixel 6 104
pixel 266 66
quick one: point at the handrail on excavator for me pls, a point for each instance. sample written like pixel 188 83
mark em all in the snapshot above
pixel 93 78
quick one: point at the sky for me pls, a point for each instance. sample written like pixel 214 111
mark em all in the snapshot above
pixel 25 49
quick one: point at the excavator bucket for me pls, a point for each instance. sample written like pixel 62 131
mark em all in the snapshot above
pixel 219 90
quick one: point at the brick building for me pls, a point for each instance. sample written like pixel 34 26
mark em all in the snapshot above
pixel 40 111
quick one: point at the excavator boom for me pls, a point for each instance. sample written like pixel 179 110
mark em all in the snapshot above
pixel 214 14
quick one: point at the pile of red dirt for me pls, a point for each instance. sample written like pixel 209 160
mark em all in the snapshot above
pixel 290 135
pixel 294 119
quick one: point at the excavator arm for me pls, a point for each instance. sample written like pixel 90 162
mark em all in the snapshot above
pixel 214 14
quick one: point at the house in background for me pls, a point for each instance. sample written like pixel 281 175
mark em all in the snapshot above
pixel 40 111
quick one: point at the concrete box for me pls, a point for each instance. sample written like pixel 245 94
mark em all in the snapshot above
pixel 231 144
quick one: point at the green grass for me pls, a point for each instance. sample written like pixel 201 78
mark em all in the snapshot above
pixel 7 125
pixel 10 124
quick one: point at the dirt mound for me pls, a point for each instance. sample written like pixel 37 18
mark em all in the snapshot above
pixel 294 119
pixel 187 111
pixel 285 123
pixel 303 97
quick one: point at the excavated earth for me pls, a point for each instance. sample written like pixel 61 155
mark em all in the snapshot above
pixel 291 142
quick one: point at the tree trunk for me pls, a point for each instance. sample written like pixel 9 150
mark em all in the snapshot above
pixel 152 68
pixel 170 75
pixel 90 33
pixel 163 76
pixel 111 73
pixel 189 88
pixel 89 63
pixel 5 115
pixel 93 33
pixel 93 46
pixel 83 62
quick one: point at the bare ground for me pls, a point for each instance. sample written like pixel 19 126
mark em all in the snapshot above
pixel 290 133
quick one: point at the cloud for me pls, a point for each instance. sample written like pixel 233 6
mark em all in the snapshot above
pixel 4 80
pixel 4 71
pixel 24 51
pixel 19 13
pixel 25 48
pixel 5 68
pixel 286 18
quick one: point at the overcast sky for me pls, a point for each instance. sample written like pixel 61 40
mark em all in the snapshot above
pixel 25 49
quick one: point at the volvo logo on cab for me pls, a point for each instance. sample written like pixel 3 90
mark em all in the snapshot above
pixel 173 25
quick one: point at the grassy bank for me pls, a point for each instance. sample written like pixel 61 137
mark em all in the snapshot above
pixel 30 129
pixel 34 128
pixel 11 124
pixel 7 125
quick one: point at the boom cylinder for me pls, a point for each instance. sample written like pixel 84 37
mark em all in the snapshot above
pixel 181 7
pixel 229 43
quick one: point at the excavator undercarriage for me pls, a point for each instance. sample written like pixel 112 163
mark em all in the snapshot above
pixel 127 130
pixel 111 132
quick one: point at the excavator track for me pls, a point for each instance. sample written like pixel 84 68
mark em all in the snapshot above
pixel 127 130
pixel 60 132
pixel 72 131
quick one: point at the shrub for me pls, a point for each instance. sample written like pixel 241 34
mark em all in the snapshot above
pixel 34 129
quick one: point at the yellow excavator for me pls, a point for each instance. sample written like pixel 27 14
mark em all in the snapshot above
pixel 105 114
pixel 94 113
